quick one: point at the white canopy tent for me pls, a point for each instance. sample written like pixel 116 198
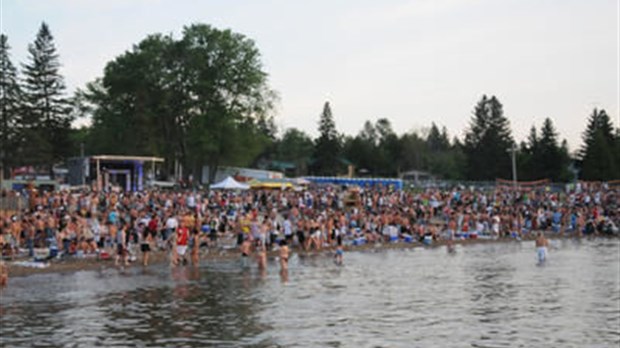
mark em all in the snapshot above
pixel 229 184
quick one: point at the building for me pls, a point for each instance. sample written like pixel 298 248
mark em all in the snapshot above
pixel 129 173
pixel 418 176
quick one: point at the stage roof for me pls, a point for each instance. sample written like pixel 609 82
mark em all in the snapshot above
pixel 127 158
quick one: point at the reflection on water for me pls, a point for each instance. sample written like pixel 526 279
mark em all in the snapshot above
pixel 480 296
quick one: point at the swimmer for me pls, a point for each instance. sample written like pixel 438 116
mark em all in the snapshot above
pixel 284 253
pixel 541 247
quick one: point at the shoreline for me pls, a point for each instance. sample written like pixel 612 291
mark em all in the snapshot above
pixel 160 257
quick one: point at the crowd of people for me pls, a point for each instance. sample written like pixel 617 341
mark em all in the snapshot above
pixel 125 226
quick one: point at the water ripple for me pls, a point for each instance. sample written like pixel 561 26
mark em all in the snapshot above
pixel 482 296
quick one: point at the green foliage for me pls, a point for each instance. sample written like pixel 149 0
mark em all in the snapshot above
pixel 378 151
pixel 487 142
pixel 46 120
pixel 294 147
pixel 10 103
pixel 543 157
pixel 599 161
pixel 202 99
pixel 327 148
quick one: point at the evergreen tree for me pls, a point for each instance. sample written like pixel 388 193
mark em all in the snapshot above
pixel 527 164
pixel 362 150
pixel 487 141
pixel 327 148
pixel 47 120
pixel 436 140
pixel 551 160
pixel 617 148
pixel 532 139
pixel 9 106
pixel 389 149
pixel 598 160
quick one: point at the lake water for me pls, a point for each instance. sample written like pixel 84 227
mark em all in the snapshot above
pixel 492 295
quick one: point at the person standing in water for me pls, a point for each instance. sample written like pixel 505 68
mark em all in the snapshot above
pixel 4 273
pixel 284 254
pixel 121 246
pixel 338 257
pixel 194 243
pixel 145 245
pixel 245 250
pixel 182 238
pixel 261 256
pixel 541 247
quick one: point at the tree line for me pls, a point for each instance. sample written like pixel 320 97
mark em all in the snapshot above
pixel 204 99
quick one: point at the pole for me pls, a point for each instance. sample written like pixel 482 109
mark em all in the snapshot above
pixel 514 165
pixel 98 178
pixel 83 171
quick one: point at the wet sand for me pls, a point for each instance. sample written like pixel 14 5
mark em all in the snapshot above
pixel 159 257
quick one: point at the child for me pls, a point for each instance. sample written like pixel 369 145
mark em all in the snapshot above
pixel 339 252
pixel 339 255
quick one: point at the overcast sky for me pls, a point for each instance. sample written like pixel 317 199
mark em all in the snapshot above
pixel 410 61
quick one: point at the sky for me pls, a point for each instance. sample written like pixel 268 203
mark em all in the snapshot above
pixel 411 61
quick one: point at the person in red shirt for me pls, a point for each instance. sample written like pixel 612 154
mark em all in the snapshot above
pixel 182 237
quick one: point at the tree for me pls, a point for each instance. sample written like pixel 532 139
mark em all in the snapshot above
pixel 487 141
pixel 363 149
pixel 445 160
pixel 437 141
pixel 46 121
pixel 389 149
pixel 327 148
pixel 201 99
pixel 414 152
pixel 598 160
pixel 295 146
pixel 526 163
pixel 10 99
pixel 551 160
pixel 617 148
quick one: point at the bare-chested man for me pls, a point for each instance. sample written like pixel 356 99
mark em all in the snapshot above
pixel 541 247
pixel 4 273
pixel 245 251
pixel 284 254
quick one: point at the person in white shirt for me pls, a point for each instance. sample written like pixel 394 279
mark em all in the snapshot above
pixel 288 229
pixel 171 225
